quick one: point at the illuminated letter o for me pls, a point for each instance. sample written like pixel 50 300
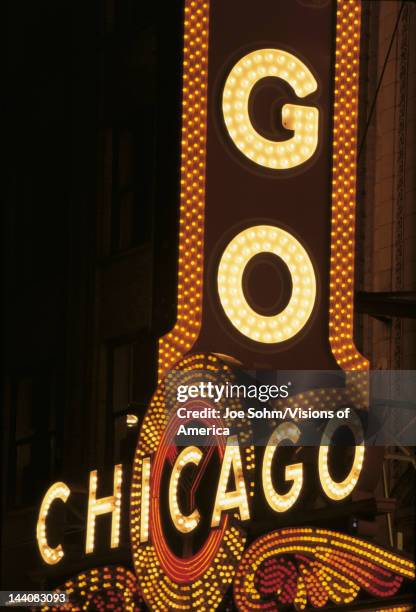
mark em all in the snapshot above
pixel 303 120
pixel 339 490
pixel 242 248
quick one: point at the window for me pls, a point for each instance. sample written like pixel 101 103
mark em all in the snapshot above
pixel 132 170
pixel 129 128
pixel 131 368
pixel 35 427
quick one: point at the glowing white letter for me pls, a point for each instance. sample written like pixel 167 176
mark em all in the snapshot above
pixel 59 490
pixel 231 499
pixel 183 523
pixel 339 490
pixel 282 502
pixel 302 120
pixel 104 505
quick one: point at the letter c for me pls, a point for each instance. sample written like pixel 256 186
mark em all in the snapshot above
pixel 183 523
pixel 51 556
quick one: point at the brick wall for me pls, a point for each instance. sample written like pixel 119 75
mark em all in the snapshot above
pixel 388 185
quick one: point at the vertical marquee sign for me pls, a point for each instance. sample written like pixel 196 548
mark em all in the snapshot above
pixel 270 101
pixel 265 280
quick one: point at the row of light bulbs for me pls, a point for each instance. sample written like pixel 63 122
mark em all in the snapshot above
pixel 341 565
